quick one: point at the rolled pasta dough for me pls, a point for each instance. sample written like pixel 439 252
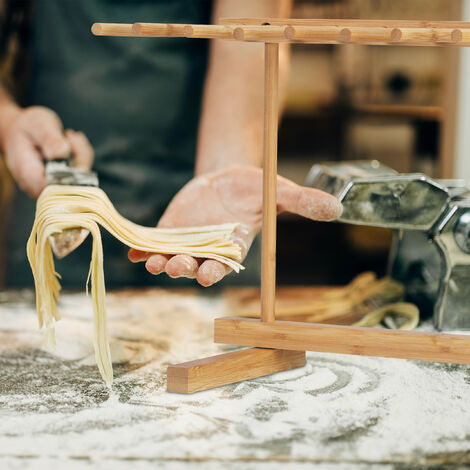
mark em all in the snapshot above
pixel 64 207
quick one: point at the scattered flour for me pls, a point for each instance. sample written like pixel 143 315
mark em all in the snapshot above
pixel 336 409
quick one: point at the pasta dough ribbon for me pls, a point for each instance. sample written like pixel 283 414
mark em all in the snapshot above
pixel 64 207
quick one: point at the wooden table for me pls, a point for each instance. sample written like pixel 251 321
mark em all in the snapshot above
pixel 338 412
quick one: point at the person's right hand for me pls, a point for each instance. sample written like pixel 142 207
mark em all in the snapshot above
pixel 34 135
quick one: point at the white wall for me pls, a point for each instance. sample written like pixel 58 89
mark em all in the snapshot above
pixel 462 147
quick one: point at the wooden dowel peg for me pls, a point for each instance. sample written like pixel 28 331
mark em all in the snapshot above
pixel 268 244
pixel 465 39
pixel 158 30
pixel 345 35
pixel 204 31
pixel 369 35
pixel 427 35
pixel 259 33
pixel 320 33
pixel 112 29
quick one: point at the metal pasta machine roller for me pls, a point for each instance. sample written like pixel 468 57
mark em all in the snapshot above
pixel 430 218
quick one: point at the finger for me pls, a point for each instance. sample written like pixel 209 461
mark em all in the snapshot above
pixel 210 272
pixel 81 149
pixel 317 205
pixel 136 256
pixel 26 166
pixel 156 263
pixel 307 202
pixel 45 129
pixel 182 266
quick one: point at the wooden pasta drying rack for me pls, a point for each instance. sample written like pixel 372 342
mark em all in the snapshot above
pixel 280 345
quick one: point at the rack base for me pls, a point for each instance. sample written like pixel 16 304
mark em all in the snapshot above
pixel 224 369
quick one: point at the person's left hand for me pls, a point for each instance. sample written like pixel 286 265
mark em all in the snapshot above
pixel 230 196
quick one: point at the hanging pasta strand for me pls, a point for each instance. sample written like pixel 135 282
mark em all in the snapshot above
pixel 64 207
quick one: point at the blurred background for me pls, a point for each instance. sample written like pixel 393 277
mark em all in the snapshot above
pixel 398 105
pixel 348 102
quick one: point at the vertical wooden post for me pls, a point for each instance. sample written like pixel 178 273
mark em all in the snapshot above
pixel 448 152
pixel 268 248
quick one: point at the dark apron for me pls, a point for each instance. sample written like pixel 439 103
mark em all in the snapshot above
pixel 138 101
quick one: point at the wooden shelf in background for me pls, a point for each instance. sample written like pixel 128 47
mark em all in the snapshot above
pixel 434 113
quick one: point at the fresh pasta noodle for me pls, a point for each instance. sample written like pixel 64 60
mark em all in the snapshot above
pixel 65 207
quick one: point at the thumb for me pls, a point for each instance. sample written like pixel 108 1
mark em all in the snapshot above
pixel 45 130
pixel 307 202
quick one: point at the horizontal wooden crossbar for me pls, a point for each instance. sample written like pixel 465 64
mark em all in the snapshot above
pixel 406 33
pixel 232 367
pixel 345 22
pixel 436 347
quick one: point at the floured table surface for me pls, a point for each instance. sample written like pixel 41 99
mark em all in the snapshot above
pixel 341 412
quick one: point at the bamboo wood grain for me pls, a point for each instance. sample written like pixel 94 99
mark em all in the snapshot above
pixel 112 29
pixel 339 34
pixel 260 33
pixel 366 35
pixel 159 30
pixel 344 22
pixel 215 371
pixel 318 34
pixel 241 33
pixel 379 35
pixel 299 336
pixel 401 32
pixel 449 103
pixel 429 35
pixel 204 31
pixel 306 31
pixel 268 241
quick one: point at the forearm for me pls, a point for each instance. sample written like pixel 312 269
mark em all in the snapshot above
pixel 231 127
pixel 8 111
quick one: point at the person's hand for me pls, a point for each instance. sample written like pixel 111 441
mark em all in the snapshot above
pixel 34 135
pixel 233 195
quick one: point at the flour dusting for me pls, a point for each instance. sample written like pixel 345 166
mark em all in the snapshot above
pixel 359 410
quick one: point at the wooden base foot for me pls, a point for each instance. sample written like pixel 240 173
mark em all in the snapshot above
pixel 437 347
pixel 232 367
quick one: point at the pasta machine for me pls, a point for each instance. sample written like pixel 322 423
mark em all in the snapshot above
pixel 430 218
pixel 63 172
